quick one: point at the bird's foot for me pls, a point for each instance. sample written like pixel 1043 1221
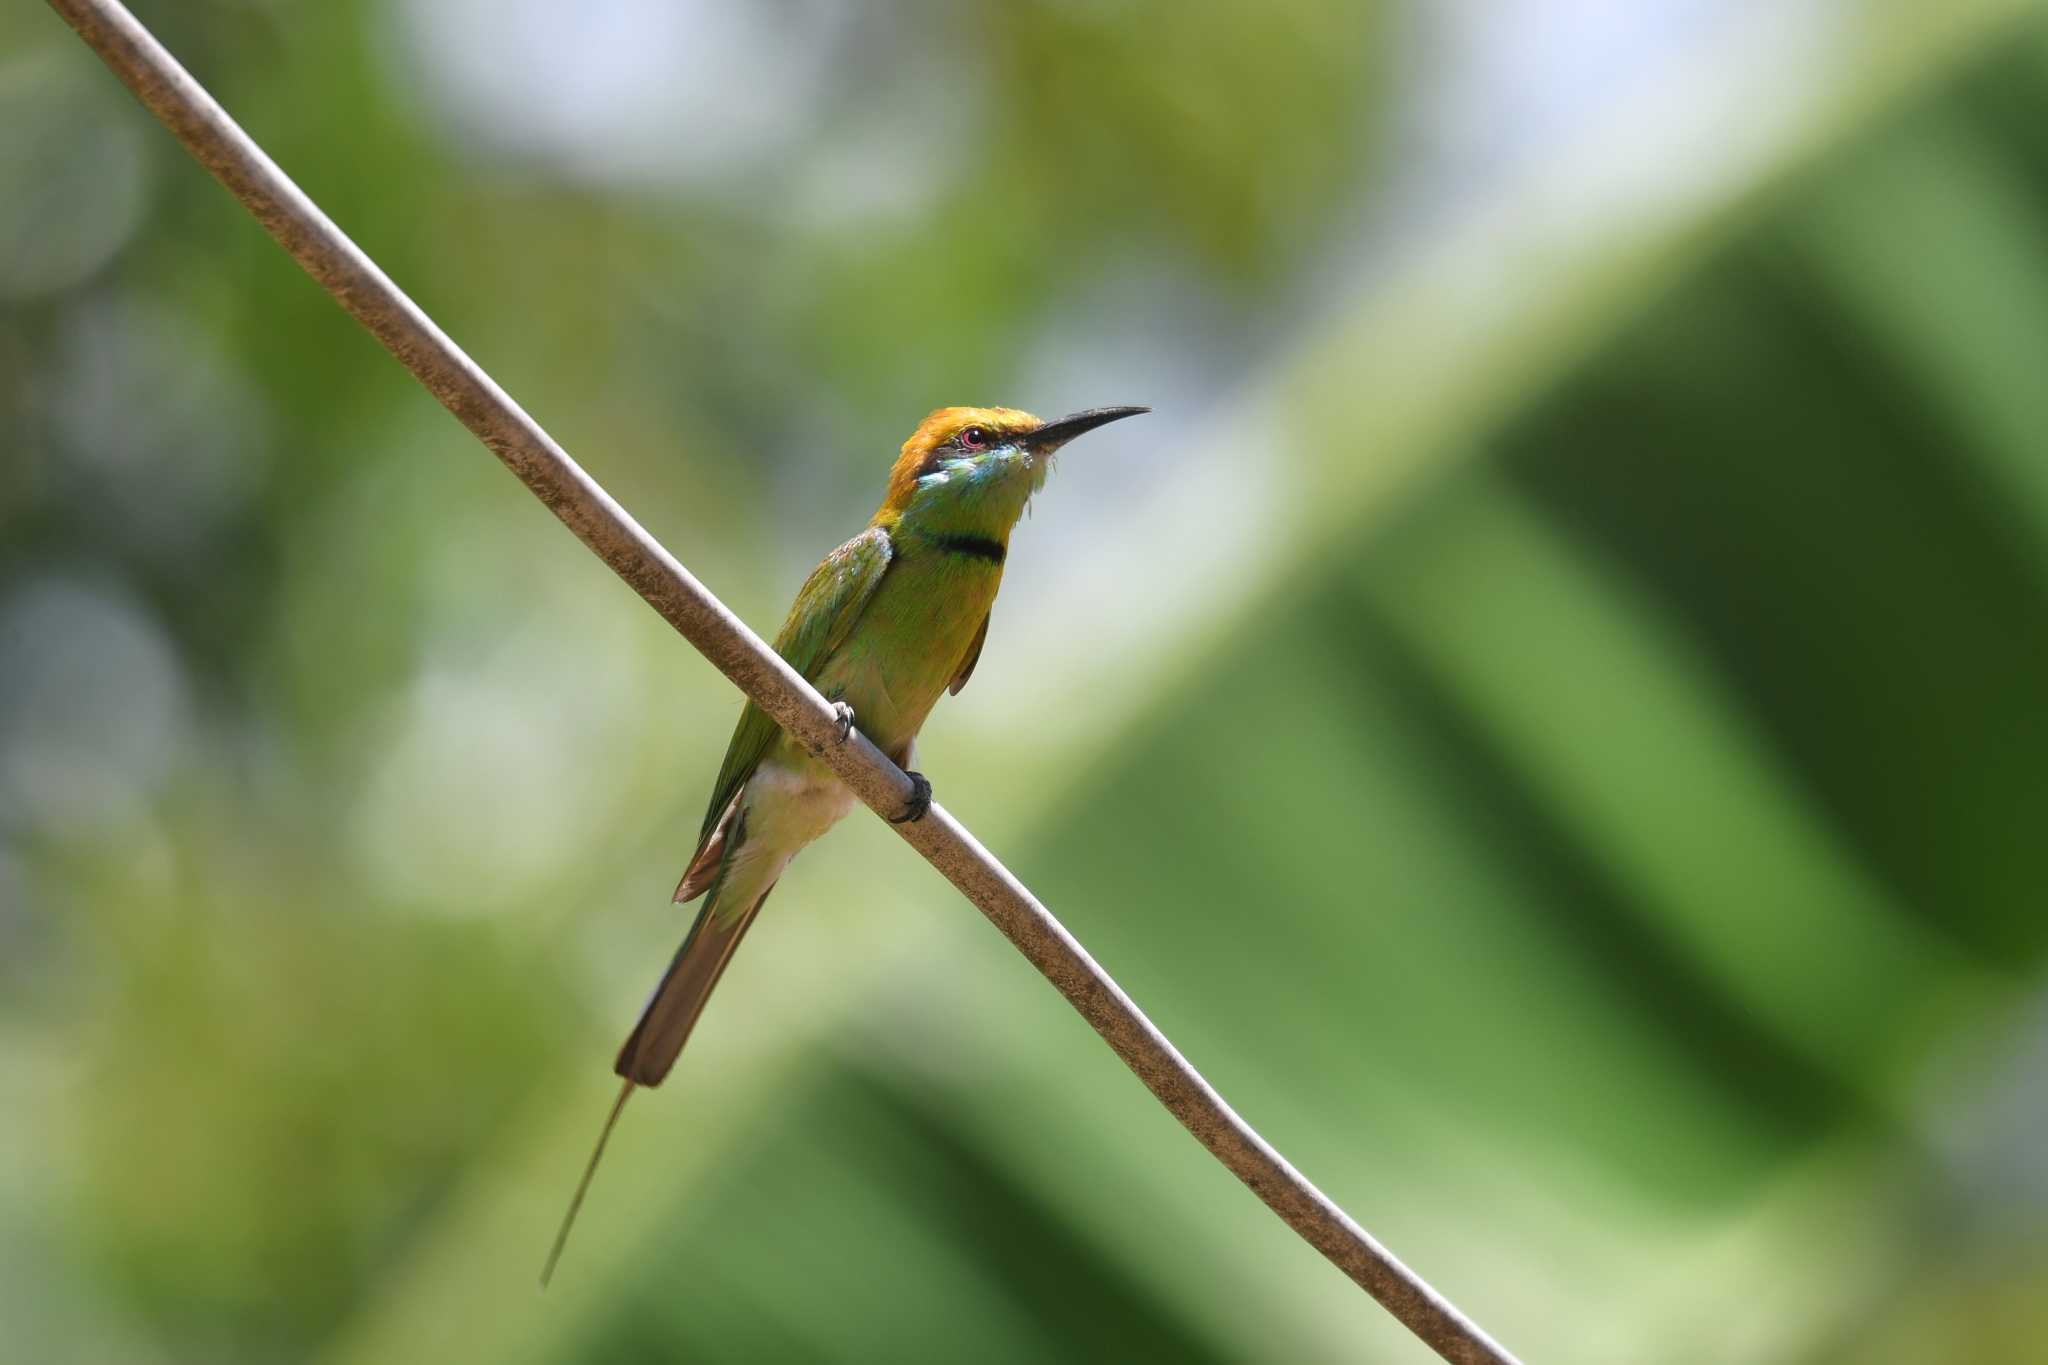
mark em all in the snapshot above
pixel 845 714
pixel 920 800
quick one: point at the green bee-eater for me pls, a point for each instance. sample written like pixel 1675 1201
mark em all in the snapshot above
pixel 889 621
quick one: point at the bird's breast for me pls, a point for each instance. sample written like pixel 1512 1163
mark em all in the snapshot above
pixel 911 640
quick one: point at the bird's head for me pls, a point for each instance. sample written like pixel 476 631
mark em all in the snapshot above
pixel 968 461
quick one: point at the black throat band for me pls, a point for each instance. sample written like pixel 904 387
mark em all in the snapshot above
pixel 980 547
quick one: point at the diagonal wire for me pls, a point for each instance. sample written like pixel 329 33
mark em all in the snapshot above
pixel 326 253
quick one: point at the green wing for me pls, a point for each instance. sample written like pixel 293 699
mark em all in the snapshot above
pixel 827 606
pixel 973 657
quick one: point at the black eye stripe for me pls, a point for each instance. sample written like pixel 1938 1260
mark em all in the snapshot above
pixel 955 445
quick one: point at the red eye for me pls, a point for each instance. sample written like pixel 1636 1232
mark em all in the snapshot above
pixel 974 438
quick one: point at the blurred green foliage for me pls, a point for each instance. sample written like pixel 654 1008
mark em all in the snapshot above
pixel 1583 800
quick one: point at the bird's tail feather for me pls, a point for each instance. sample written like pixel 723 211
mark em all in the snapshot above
pixel 672 1011
pixel 583 1186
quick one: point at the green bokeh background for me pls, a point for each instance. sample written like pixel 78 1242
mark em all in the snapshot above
pixel 1548 714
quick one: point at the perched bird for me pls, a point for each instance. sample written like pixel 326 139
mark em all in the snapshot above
pixel 889 621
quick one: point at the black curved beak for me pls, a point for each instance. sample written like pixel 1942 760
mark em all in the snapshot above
pixel 1055 434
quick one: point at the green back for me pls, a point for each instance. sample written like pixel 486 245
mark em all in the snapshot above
pixel 826 608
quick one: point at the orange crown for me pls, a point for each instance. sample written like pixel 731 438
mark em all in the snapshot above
pixel 934 431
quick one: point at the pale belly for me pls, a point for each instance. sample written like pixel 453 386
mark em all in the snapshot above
pixel 795 797
pixel 790 800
